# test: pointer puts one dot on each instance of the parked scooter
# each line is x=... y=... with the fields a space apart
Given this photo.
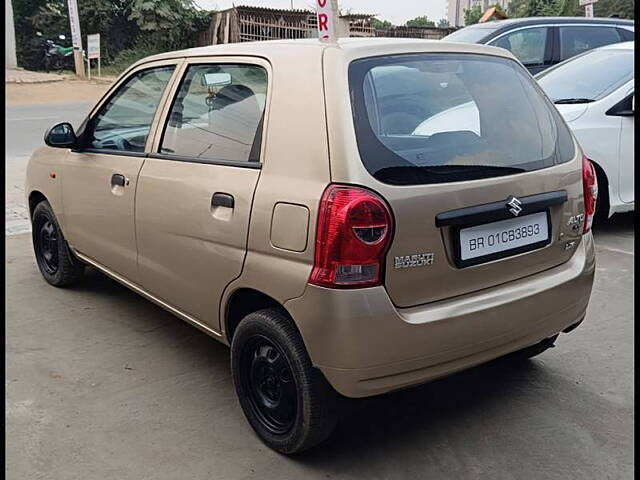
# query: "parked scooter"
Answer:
x=55 y=56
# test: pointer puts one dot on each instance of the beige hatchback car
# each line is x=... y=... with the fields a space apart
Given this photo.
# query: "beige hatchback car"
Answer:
x=326 y=211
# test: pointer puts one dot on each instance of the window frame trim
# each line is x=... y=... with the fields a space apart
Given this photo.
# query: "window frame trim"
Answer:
x=114 y=89
x=258 y=61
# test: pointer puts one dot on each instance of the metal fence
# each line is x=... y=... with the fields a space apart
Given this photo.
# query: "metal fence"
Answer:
x=248 y=24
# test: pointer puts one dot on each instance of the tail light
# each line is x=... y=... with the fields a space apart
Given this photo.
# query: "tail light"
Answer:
x=590 y=191
x=353 y=235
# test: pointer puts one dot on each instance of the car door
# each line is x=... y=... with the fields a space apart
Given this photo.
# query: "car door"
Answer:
x=99 y=179
x=626 y=154
x=195 y=190
x=531 y=45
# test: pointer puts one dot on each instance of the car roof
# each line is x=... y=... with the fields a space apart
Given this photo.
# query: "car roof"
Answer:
x=510 y=22
x=273 y=49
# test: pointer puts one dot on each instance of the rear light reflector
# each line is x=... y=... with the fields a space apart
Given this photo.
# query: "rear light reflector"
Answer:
x=590 y=192
x=352 y=237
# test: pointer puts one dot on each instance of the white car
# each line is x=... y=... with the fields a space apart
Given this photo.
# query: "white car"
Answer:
x=594 y=93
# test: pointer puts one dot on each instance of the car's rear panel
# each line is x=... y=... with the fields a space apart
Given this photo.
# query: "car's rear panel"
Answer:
x=423 y=263
x=415 y=210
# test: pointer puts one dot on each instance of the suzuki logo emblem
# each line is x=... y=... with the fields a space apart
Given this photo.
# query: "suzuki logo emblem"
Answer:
x=514 y=203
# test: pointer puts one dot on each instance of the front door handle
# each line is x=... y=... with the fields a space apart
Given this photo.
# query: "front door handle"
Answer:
x=220 y=199
x=118 y=179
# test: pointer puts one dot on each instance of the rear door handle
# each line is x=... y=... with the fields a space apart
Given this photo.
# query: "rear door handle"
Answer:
x=118 y=179
x=220 y=199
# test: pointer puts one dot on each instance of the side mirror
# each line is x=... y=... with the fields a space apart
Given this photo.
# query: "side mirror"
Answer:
x=61 y=136
x=62 y=37
x=624 y=108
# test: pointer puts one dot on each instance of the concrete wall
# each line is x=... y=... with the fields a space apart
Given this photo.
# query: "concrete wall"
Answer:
x=10 y=37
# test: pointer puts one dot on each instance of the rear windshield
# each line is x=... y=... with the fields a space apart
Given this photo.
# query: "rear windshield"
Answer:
x=470 y=34
x=435 y=118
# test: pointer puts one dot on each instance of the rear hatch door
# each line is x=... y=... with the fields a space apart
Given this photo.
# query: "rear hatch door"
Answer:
x=481 y=172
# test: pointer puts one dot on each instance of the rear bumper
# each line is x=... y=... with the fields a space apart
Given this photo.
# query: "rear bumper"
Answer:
x=365 y=346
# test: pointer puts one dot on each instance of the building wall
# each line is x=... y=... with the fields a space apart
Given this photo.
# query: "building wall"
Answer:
x=456 y=8
x=10 y=37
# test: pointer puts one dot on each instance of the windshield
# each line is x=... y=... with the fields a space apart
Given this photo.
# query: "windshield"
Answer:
x=469 y=35
x=588 y=77
x=434 y=118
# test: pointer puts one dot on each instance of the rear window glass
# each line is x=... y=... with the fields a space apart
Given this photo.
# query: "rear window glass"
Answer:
x=470 y=34
x=578 y=39
x=434 y=118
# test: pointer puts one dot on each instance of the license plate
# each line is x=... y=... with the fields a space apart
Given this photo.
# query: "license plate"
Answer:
x=495 y=240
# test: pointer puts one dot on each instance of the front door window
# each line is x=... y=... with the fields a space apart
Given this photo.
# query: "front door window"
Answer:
x=123 y=123
x=528 y=45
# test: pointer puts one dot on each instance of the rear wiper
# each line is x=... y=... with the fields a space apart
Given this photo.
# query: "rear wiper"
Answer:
x=561 y=101
x=412 y=174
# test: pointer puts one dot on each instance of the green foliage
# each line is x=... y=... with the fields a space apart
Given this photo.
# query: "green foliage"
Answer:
x=132 y=26
x=420 y=22
x=443 y=23
x=603 y=8
x=381 y=24
x=472 y=15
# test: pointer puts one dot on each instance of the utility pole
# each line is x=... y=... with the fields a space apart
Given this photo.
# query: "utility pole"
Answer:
x=10 y=37
x=76 y=38
x=588 y=7
x=327 y=14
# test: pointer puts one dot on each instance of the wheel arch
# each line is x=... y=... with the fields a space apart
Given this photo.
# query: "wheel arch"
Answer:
x=35 y=197
x=604 y=193
x=241 y=303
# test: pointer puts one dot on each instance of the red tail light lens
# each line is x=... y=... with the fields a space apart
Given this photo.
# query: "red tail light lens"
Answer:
x=590 y=191
x=353 y=234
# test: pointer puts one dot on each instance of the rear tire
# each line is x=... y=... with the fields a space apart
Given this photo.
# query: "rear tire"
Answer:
x=57 y=264
x=288 y=402
x=534 y=350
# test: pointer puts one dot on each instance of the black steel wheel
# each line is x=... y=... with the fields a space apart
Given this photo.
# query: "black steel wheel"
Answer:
x=267 y=377
x=46 y=245
x=287 y=401
x=57 y=264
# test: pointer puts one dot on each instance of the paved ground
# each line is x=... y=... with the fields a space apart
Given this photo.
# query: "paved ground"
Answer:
x=102 y=384
x=25 y=126
x=69 y=90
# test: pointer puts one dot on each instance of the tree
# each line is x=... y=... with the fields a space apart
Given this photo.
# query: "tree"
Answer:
x=472 y=15
x=381 y=24
x=443 y=23
x=420 y=22
x=603 y=8
x=147 y=26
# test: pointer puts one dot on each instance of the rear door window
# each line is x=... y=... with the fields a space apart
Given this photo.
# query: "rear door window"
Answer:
x=528 y=45
x=578 y=39
x=434 y=118
x=217 y=114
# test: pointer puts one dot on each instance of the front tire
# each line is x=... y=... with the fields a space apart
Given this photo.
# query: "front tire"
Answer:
x=57 y=264
x=288 y=403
